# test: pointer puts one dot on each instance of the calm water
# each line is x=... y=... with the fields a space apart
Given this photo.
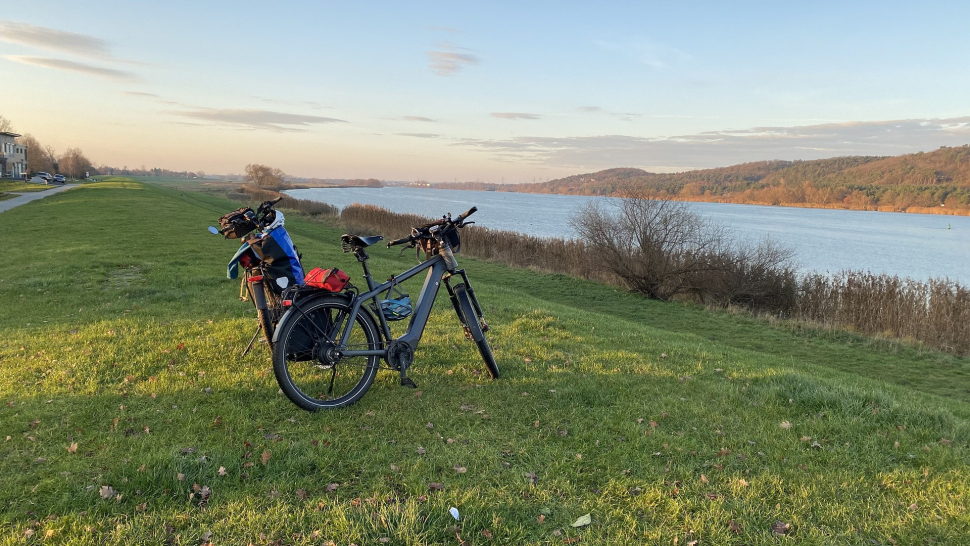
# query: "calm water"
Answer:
x=914 y=245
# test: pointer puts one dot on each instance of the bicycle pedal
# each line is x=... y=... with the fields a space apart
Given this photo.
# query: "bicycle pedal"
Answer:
x=406 y=382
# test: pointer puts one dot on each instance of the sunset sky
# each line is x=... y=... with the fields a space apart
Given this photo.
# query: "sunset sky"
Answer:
x=513 y=91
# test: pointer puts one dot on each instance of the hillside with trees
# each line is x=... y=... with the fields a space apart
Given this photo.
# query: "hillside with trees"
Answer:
x=932 y=182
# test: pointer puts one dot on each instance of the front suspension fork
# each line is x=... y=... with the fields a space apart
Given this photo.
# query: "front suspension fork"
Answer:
x=471 y=296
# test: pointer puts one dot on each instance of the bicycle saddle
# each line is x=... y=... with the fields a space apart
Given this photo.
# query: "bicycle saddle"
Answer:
x=361 y=242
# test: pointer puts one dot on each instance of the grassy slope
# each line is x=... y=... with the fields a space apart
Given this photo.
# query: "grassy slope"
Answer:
x=15 y=186
x=115 y=324
x=19 y=187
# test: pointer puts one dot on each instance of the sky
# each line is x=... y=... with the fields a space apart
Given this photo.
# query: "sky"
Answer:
x=495 y=92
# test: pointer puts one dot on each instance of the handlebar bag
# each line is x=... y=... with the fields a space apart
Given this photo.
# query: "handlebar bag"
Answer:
x=279 y=257
x=236 y=224
x=333 y=280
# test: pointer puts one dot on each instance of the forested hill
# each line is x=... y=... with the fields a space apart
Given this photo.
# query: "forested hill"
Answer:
x=937 y=182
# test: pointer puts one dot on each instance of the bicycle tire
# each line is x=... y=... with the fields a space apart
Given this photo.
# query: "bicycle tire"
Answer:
x=301 y=371
x=471 y=320
x=267 y=317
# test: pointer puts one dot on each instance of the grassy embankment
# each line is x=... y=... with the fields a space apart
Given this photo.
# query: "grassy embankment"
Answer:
x=15 y=186
x=119 y=378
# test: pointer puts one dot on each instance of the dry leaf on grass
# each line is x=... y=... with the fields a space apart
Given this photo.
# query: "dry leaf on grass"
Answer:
x=72 y=448
x=107 y=492
x=780 y=528
x=331 y=487
x=785 y=425
x=460 y=469
x=734 y=527
x=435 y=486
x=265 y=457
x=583 y=521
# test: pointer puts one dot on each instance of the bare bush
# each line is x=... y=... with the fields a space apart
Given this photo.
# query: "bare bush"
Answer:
x=663 y=250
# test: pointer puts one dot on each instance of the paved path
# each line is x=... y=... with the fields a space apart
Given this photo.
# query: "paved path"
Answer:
x=31 y=196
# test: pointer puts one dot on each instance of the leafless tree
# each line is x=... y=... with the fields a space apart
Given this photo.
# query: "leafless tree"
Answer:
x=74 y=163
x=662 y=249
x=5 y=125
x=265 y=177
x=37 y=159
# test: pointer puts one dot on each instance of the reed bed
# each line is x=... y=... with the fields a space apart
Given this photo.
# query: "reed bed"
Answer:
x=935 y=312
x=307 y=207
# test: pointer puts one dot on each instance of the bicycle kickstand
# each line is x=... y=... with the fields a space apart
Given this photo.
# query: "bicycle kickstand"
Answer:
x=251 y=341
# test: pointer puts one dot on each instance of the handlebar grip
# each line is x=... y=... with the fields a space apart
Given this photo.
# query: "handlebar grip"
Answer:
x=398 y=242
x=468 y=213
x=277 y=200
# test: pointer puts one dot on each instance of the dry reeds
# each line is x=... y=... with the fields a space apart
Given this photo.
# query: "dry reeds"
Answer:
x=935 y=312
x=304 y=206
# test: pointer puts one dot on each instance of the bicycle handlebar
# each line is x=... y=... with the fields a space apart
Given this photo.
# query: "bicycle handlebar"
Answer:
x=469 y=212
x=424 y=231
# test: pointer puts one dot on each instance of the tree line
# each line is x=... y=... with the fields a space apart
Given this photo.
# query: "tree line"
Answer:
x=40 y=158
x=930 y=182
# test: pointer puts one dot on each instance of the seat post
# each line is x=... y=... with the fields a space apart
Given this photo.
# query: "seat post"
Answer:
x=362 y=258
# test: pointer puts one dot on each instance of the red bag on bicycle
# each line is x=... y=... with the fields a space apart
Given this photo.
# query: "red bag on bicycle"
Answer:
x=333 y=280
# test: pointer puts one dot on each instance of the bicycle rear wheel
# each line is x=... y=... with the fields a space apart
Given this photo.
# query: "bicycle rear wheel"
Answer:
x=307 y=366
x=472 y=321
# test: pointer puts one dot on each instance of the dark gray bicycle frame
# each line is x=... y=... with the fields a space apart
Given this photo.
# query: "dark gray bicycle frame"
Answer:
x=438 y=266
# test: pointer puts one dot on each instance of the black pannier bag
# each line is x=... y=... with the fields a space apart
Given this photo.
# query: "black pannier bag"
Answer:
x=236 y=224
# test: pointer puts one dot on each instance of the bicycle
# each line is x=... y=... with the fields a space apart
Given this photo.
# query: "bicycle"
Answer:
x=269 y=259
x=329 y=346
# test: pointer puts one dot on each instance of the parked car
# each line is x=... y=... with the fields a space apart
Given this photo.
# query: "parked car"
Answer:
x=46 y=176
x=59 y=178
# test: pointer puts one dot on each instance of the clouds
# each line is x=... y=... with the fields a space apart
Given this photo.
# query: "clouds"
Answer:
x=515 y=115
x=255 y=119
x=721 y=148
x=418 y=118
x=54 y=40
x=62 y=41
x=448 y=59
x=74 y=66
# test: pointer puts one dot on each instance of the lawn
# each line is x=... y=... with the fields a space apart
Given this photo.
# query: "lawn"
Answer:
x=17 y=186
x=129 y=416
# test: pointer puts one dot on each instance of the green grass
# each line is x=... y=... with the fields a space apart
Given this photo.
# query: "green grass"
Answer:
x=120 y=334
x=16 y=186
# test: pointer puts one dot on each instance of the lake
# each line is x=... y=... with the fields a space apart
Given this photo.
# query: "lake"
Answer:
x=912 y=245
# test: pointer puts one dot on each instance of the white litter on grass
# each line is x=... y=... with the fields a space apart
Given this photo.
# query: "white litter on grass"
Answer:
x=454 y=512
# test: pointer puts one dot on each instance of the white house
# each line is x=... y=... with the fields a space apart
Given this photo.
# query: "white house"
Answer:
x=13 y=156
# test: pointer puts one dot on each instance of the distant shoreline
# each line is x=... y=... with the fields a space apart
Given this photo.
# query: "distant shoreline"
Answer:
x=939 y=211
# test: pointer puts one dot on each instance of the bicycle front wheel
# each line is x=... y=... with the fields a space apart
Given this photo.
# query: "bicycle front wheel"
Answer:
x=310 y=369
x=472 y=321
